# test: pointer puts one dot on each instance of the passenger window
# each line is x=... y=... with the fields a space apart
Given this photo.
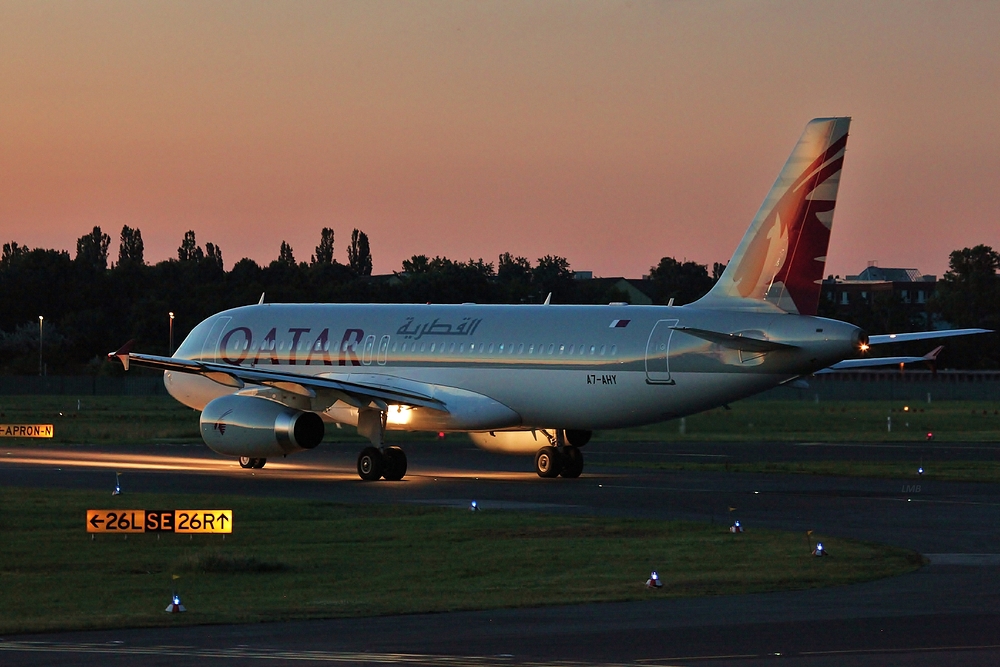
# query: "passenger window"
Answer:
x=461 y=348
x=451 y=349
x=394 y=347
x=602 y=350
x=423 y=346
x=551 y=347
x=520 y=348
x=592 y=350
x=531 y=349
x=491 y=347
x=570 y=350
x=562 y=348
x=500 y=350
x=432 y=346
x=510 y=348
x=614 y=350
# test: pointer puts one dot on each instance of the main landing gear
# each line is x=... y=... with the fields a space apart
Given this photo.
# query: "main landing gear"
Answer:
x=388 y=462
x=247 y=462
x=551 y=462
x=562 y=456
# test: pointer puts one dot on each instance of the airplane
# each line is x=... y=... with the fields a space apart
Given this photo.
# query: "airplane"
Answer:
x=530 y=379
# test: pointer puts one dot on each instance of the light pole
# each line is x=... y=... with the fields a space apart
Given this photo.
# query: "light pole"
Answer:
x=171 y=334
x=41 y=321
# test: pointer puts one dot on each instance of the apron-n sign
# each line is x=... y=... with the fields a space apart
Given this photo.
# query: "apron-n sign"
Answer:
x=160 y=521
x=26 y=430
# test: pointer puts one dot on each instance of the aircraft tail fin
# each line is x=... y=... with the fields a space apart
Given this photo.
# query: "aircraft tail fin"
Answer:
x=783 y=254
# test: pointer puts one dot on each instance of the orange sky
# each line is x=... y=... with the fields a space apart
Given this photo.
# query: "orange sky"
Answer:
x=612 y=133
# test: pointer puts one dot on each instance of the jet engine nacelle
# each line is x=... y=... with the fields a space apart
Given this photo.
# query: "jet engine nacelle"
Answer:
x=257 y=427
x=524 y=442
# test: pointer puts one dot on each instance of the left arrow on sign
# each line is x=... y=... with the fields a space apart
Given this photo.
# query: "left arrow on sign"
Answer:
x=96 y=520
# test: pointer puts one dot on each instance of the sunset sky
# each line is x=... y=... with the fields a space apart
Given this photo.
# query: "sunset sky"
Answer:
x=612 y=133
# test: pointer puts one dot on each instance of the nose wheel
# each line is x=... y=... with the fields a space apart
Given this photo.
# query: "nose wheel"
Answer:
x=248 y=462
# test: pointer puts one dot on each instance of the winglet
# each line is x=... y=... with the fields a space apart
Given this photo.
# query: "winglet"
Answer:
x=122 y=353
x=931 y=358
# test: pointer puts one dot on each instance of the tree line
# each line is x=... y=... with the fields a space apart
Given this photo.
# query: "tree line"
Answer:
x=91 y=304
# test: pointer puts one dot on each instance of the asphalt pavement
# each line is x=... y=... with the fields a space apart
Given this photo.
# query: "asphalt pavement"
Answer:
x=946 y=613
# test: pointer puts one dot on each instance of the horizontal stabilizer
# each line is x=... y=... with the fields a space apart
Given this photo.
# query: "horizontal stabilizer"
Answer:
x=736 y=341
x=851 y=364
x=883 y=339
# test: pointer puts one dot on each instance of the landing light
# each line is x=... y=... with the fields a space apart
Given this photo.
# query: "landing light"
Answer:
x=864 y=347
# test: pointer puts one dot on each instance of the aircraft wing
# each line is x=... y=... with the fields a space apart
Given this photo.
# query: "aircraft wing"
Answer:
x=358 y=394
x=883 y=339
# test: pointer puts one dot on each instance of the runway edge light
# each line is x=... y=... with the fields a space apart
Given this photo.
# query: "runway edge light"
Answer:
x=654 y=580
x=819 y=550
x=175 y=606
x=473 y=506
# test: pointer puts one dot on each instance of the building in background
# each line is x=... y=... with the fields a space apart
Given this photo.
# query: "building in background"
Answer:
x=901 y=293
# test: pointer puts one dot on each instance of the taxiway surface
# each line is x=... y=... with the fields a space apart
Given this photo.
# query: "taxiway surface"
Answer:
x=946 y=613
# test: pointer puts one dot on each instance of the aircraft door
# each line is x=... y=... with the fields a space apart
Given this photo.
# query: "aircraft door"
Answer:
x=658 y=353
x=210 y=348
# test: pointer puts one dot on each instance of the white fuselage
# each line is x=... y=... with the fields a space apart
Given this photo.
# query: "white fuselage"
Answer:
x=498 y=367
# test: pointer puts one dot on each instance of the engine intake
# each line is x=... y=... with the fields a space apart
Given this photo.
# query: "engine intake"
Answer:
x=257 y=427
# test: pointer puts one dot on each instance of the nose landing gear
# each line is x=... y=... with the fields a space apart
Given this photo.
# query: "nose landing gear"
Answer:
x=248 y=462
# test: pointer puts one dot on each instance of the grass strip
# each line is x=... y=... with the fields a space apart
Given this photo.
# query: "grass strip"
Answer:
x=148 y=419
x=298 y=559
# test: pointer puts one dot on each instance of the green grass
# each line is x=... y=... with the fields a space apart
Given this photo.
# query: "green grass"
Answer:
x=149 y=419
x=950 y=471
x=832 y=421
x=290 y=559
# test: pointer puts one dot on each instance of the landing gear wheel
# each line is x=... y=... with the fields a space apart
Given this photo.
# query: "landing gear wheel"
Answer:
x=548 y=462
x=395 y=464
x=572 y=462
x=259 y=463
x=370 y=464
x=246 y=462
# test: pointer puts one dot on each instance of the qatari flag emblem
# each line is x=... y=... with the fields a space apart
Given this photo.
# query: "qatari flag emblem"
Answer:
x=619 y=324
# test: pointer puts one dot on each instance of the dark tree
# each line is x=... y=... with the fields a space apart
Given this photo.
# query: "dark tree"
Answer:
x=11 y=252
x=969 y=293
x=683 y=282
x=285 y=255
x=359 y=255
x=510 y=268
x=717 y=269
x=130 y=247
x=92 y=250
x=213 y=255
x=416 y=265
x=189 y=251
x=324 y=251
